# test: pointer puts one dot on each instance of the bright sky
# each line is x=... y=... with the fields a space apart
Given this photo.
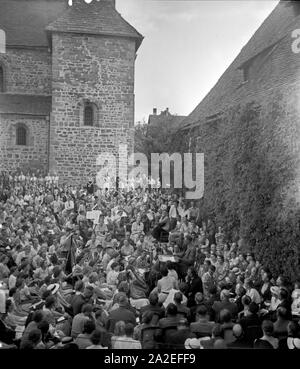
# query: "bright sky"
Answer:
x=188 y=45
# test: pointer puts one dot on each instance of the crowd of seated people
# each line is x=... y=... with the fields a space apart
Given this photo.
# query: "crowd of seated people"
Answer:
x=84 y=268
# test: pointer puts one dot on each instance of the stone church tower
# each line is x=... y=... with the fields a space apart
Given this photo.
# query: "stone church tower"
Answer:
x=67 y=85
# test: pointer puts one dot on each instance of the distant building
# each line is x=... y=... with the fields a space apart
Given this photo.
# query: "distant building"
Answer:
x=169 y=120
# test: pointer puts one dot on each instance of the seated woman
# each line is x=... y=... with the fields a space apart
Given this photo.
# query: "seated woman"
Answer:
x=137 y=228
x=22 y=297
x=42 y=271
x=13 y=319
x=127 y=250
x=112 y=275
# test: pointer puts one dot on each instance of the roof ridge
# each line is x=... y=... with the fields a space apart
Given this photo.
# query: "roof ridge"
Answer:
x=272 y=30
x=98 y=18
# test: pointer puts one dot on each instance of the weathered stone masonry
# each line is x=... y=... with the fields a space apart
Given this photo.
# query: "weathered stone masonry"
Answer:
x=67 y=58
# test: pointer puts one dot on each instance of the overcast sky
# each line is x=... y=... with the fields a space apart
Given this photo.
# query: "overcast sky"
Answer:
x=188 y=44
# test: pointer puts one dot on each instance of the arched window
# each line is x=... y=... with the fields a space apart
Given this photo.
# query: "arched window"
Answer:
x=88 y=115
x=1 y=79
x=21 y=136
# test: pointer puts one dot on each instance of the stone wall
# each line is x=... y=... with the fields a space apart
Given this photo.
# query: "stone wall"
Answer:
x=33 y=155
x=252 y=160
x=101 y=70
x=27 y=71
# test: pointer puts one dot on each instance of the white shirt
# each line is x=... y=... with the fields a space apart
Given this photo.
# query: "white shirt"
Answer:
x=173 y=212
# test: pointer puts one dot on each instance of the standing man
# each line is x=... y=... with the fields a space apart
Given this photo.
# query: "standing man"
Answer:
x=173 y=214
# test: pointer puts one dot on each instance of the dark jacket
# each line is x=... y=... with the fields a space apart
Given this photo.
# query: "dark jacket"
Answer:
x=119 y=314
x=194 y=286
x=159 y=312
x=177 y=339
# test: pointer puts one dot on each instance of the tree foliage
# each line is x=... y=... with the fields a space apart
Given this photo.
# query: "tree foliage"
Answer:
x=251 y=184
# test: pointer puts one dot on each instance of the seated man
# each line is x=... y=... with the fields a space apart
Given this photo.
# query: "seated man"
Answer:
x=202 y=327
x=177 y=339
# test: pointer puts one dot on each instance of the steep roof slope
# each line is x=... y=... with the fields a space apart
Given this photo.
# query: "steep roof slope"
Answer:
x=24 y=21
x=275 y=29
x=98 y=17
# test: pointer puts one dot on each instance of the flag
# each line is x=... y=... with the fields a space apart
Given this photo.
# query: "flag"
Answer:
x=70 y=257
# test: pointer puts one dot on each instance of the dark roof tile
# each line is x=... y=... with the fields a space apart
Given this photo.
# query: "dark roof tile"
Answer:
x=25 y=104
x=274 y=30
x=98 y=17
x=24 y=21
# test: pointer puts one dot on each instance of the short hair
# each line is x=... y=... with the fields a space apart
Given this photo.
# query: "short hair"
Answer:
x=246 y=300
x=147 y=317
x=56 y=271
x=79 y=285
x=89 y=288
x=129 y=329
x=249 y=282
x=164 y=271
x=193 y=271
x=38 y=316
x=171 y=309
x=169 y=265
x=119 y=328
x=153 y=298
x=237 y=330
x=201 y=310
x=87 y=308
x=46 y=294
x=282 y=312
x=178 y=297
x=225 y=316
x=268 y=327
x=98 y=313
x=253 y=308
x=96 y=337
x=88 y=327
x=50 y=301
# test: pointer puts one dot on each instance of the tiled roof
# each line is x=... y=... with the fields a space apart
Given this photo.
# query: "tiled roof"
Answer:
x=173 y=121
x=24 y=21
x=25 y=104
x=98 y=17
x=275 y=29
